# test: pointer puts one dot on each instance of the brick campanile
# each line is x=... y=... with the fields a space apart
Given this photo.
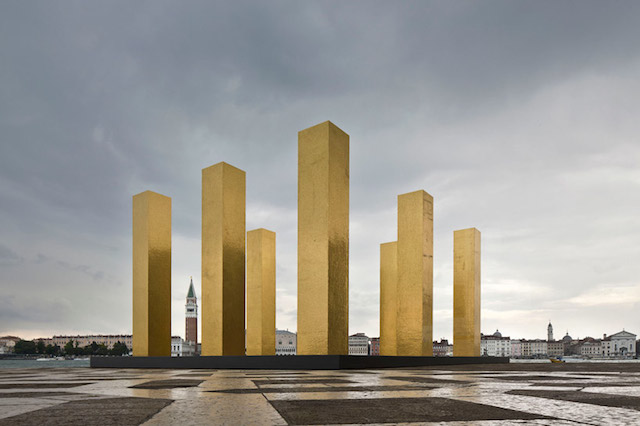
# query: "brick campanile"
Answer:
x=191 y=315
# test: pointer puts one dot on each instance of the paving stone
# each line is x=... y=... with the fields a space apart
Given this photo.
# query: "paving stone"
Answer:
x=585 y=384
x=536 y=378
x=604 y=399
x=168 y=384
x=106 y=412
x=348 y=411
x=31 y=394
x=300 y=381
x=326 y=389
x=37 y=385
x=431 y=380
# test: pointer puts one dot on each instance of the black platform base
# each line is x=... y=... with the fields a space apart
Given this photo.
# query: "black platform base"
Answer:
x=287 y=362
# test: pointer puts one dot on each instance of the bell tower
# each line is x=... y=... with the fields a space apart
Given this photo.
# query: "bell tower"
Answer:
x=191 y=315
x=549 y=332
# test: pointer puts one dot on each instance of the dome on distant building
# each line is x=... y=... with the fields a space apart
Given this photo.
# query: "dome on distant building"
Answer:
x=567 y=338
x=497 y=334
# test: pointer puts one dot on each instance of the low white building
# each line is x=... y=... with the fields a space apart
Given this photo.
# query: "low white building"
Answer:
x=495 y=345
x=181 y=347
x=286 y=342
x=591 y=348
x=359 y=344
x=619 y=345
x=538 y=348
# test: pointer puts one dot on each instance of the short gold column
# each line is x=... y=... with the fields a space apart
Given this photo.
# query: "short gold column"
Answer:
x=388 y=298
x=415 y=274
x=261 y=292
x=223 y=256
x=151 y=274
x=466 y=292
x=323 y=240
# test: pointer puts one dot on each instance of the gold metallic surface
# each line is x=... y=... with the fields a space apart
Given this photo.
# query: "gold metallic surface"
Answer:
x=415 y=274
x=223 y=256
x=151 y=274
x=388 y=298
x=261 y=292
x=466 y=292
x=323 y=240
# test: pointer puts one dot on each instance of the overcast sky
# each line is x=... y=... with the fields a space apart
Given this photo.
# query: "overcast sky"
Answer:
x=520 y=118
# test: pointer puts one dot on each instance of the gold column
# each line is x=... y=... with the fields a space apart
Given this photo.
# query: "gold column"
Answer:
x=466 y=292
x=323 y=240
x=223 y=255
x=151 y=274
x=261 y=292
x=415 y=274
x=388 y=298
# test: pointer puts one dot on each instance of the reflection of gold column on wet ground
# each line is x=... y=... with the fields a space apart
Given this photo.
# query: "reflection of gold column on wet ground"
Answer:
x=415 y=274
x=388 y=297
x=223 y=255
x=466 y=292
x=151 y=274
x=323 y=240
x=261 y=292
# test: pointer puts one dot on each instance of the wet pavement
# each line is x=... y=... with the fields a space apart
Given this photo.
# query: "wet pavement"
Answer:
x=520 y=394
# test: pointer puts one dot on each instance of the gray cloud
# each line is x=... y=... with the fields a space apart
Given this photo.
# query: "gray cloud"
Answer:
x=520 y=118
x=9 y=257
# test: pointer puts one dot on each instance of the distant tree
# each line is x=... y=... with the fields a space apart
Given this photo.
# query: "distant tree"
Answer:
x=101 y=350
x=25 y=347
x=40 y=347
x=119 y=349
x=68 y=348
x=50 y=349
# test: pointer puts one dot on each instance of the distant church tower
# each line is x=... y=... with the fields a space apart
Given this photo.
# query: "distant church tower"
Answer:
x=549 y=332
x=191 y=315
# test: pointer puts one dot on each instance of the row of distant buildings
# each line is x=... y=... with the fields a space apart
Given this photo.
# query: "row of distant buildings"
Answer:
x=619 y=345
x=622 y=344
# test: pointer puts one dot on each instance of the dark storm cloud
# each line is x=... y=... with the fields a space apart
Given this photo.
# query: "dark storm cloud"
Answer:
x=515 y=108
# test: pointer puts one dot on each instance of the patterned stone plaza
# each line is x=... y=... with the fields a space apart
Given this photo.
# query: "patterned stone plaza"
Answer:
x=529 y=394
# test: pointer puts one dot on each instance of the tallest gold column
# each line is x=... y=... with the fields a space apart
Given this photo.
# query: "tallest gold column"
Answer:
x=223 y=254
x=323 y=240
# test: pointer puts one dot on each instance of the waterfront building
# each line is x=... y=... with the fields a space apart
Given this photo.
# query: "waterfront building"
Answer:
x=442 y=348
x=181 y=347
x=591 y=348
x=516 y=348
x=495 y=345
x=83 y=340
x=7 y=343
x=555 y=349
x=375 y=346
x=286 y=342
x=621 y=344
x=191 y=316
x=538 y=348
x=359 y=344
